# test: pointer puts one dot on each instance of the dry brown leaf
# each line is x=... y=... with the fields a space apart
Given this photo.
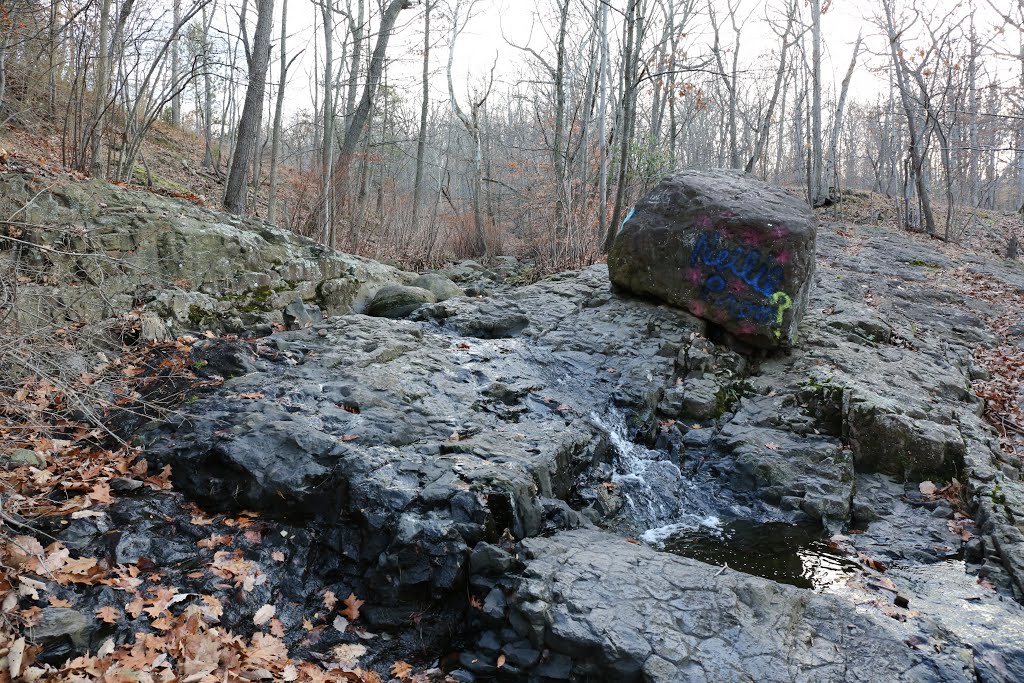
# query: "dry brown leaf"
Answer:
x=772 y=446
x=101 y=493
x=330 y=599
x=57 y=602
x=348 y=655
x=134 y=608
x=266 y=649
x=264 y=614
x=501 y=661
x=214 y=541
x=352 y=605
x=162 y=624
x=15 y=657
x=277 y=556
x=401 y=669
x=108 y=614
x=211 y=608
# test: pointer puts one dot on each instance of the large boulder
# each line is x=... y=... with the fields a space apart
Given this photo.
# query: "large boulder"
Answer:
x=440 y=286
x=398 y=301
x=725 y=246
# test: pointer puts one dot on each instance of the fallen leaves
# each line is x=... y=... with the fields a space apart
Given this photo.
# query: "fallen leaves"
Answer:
x=109 y=615
x=263 y=615
x=348 y=655
x=872 y=563
x=401 y=670
x=352 y=605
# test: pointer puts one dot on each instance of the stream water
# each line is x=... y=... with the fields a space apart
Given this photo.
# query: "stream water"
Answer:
x=690 y=515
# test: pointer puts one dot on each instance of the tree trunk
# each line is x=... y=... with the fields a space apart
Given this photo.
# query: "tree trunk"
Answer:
x=275 y=147
x=421 y=142
x=558 y=156
x=176 y=70
x=602 y=123
x=207 y=92
x=374 y=72
x=831 y=172
x=780 y=77
x=327 y=151
x=973 y=172
x=917 y=150
x=818 y=192
x=629 y=96
x=102 y=78
x=252 y=110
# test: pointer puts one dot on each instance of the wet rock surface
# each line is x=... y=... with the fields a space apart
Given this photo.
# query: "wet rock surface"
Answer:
x=473 y=472
x=725 y=246
x=624 y=612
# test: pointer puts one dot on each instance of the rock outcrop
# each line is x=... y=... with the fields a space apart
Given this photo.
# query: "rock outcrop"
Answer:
x=106 y=251
x=622 y=612
x=480 y=471
x=725 y=246
x=427 y=448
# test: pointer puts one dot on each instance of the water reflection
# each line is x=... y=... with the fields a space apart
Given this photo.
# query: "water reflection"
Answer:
x=787 y=553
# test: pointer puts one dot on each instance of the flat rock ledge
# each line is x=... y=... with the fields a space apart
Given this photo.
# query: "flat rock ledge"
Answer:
x=609 y=609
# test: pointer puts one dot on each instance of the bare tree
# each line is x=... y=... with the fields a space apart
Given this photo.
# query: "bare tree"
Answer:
x=786 y=40
x=275 y=147
x=421 y=140
x=248 y=125
x=471 y=122
x=918 y=150
x=831 y=175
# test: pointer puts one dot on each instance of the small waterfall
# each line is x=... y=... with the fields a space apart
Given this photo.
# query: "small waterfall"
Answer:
x=657 y=496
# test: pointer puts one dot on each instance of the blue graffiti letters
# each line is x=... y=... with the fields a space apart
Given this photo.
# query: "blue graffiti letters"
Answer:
x=628 y=216
x=761 y=274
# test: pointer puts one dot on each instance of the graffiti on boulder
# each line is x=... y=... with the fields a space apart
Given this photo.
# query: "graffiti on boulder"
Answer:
x=740 y=281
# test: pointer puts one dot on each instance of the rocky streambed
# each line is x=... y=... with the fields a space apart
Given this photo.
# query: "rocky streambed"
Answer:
x=517 y=486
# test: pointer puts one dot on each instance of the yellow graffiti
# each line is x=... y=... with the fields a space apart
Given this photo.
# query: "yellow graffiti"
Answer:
x=782 y=300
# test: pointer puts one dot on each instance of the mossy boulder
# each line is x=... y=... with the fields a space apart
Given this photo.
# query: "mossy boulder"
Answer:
x=440 y=286
x=398 y=301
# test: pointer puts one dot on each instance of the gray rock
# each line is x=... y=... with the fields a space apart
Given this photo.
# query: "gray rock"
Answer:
x=398 y=301
x=725 y=246
x=57 y=622
x=22 y=456
x=441 y=287
x=611 y=610
x=884 y=440
x=191 y=267
x=490 y=560
x=701 y=400
x=299 y=315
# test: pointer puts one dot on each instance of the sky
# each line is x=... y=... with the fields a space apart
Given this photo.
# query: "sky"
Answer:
x=485 y=40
